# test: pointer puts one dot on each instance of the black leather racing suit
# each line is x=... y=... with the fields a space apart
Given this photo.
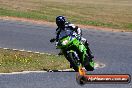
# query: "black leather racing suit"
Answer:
x=71 y=29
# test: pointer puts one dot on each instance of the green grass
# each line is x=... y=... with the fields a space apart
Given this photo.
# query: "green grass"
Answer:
x=32 y=15
x=16 y=61
x=104 y=13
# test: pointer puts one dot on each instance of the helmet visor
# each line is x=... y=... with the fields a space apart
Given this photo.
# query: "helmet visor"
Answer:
x=60 y=23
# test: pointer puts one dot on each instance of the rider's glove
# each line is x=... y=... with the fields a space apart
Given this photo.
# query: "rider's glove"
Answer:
x=78 y=37
x=52 y=40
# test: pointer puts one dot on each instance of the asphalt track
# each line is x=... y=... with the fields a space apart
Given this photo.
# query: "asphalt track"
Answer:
x=114 y=49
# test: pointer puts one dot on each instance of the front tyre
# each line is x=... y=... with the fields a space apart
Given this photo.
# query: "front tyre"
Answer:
x=73 y=59
x=81 y=80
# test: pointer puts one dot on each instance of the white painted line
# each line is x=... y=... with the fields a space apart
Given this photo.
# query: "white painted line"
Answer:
x=36 y=52
x=15 y=49
x=25 y=51
x=68 y=70
x=6 y=48
x=24 y=72
x=42 y=53
x=50 y=71
x=48 y=54
x=22 y=50
x=45 y=53
x=34 y=71
x=29 y=51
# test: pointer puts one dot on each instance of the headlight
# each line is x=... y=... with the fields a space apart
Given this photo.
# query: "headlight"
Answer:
x=64 y=42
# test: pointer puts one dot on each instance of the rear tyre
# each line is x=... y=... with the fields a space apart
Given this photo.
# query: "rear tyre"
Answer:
x=89 y=64
x=89 y=68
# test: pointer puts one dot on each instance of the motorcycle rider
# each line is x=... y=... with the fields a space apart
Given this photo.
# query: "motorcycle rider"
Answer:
x=66 y=28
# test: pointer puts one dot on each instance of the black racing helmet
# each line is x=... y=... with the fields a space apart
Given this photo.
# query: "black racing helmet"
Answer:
x=60 y=21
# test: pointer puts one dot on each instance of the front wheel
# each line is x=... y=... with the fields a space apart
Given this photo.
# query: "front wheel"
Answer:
x=81 y=80
x=73 y=59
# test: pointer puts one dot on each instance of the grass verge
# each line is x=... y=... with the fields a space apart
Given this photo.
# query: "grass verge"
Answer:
x=105 y=13
x=17 y=61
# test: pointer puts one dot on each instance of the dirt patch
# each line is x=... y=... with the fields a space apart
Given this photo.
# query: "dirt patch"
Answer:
x=54 y=25
x=28 y=20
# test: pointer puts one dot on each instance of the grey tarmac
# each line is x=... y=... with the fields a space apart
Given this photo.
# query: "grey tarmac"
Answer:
x=114 y=49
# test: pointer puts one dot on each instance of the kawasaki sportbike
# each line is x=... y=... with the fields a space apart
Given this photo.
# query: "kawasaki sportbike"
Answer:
x=75 y=52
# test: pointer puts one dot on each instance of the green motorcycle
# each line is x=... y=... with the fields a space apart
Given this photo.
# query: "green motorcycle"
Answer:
x=75 y=52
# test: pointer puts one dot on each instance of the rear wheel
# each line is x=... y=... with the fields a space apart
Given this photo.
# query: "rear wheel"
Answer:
x=89 y=64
